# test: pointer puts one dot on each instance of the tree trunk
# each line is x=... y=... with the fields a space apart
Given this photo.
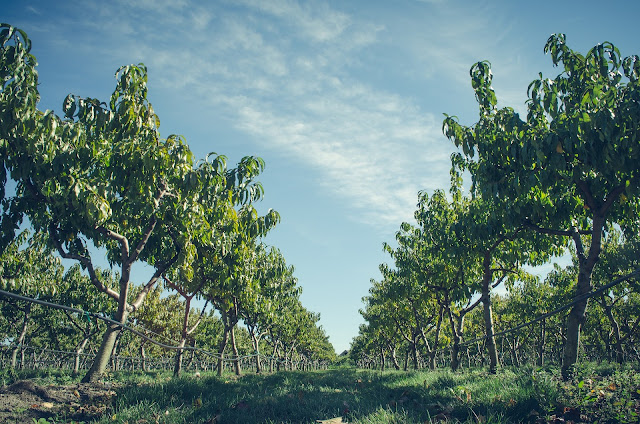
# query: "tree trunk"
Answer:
x=543 y=336
x=513 y=347
x=103 y=356
x=491 y=341
x=256 y=349
x=234 y=348
x=177 y=368
x=457 y=327
x=76 y=360
x=143 y=355
x=488 y=315
x=414 y=353
x=406 y=360
x=21 y=337
x=223 y=345
x=432 y=352
x=177 y=365
x=110 y=338
x=115 y=360
x=394 y=359
x=615 y=328
x=574 y=323
x=577 y=315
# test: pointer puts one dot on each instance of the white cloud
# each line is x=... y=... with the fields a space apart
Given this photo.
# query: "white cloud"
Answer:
x=296 y=91
x=313 y=19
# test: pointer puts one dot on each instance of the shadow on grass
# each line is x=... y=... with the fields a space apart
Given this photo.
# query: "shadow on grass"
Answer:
x=304 y=397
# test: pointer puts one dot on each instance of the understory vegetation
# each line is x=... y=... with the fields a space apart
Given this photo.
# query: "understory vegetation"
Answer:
x=602 y=393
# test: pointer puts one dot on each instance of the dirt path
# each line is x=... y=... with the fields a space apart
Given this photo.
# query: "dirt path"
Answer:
x=24 y=401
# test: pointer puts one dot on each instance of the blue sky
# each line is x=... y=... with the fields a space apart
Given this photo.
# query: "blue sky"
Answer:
x=343 y=100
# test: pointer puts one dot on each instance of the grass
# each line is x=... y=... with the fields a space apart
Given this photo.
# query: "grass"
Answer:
x=606 y=393
x=356 y=395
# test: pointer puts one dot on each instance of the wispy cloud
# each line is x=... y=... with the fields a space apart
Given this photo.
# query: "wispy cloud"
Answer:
x=287 y=73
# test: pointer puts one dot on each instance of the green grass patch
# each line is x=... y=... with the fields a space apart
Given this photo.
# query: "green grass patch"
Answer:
x=603 y=393
x=356 y=395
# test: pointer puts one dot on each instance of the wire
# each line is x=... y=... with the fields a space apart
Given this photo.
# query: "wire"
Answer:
x=575 y=301
x=126 y=327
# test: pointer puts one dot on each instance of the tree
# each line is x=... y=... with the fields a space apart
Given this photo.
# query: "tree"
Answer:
x=28 y=267
x=100 y=176
x=572 y=167
x=226 y=269
x=275 y=290
x=77 y=291
x=449 y=270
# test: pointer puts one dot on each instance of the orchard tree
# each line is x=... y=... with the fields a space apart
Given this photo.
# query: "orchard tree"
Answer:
x=160 y=318
x=275 y=290
x=382 y=337
x=76 y=291
x=570 y=169
x=100 y=176
x=29 y=271
x=415 y=281
x=619 y=305
x=226 y=270
x=449 y=270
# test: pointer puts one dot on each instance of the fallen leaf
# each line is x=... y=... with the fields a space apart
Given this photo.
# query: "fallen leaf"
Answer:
x=47 y=405
x=613 y=387
x=335 y=420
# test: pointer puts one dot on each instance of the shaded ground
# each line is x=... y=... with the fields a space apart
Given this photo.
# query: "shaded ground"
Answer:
x=602 y=393
x=25 y=401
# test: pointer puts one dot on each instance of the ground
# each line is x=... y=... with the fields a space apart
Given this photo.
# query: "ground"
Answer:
x=26 y=402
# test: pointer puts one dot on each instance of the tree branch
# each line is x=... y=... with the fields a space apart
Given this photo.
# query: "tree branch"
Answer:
x=153 y=280
x=145 y=238
x=124 y=243
x=610 y=199
x=84 y=261
x=199 y=319
x=549 y=231
x=584 y=188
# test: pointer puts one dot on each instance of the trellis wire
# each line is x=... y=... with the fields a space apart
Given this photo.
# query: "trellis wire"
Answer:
x=575 y=301
x=132 y=330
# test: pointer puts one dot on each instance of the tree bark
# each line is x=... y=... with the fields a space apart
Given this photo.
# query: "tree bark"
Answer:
x=576 y=317
x=234 y=347
x=76 y=359
x=21 y=336
x=542 y=341
x=256 y=349
x=394 y=359
x=488 y=315
x=103 y=355
x=223 y=345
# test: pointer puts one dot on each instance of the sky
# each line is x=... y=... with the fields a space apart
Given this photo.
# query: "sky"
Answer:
x=344 y=100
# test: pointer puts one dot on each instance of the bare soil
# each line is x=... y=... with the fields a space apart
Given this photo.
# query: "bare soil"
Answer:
x=25 y=401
